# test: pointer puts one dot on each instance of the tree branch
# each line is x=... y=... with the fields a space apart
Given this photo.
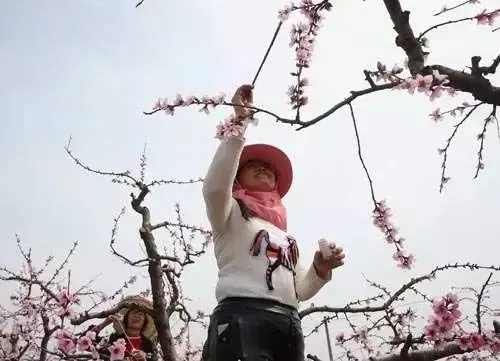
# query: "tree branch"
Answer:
x=424 y=355
x=26 y=281
x=478 y=86
x=406 y=39
x=156 y=276
x=354 y=95
x=395 y=296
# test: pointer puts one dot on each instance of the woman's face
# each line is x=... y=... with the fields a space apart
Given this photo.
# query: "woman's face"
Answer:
x=257 y=176
x=136 y=319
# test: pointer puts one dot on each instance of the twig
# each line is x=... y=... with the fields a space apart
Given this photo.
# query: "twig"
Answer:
x=354 y=95
x=446 y=9
x=449 y=22
x=26 y=281
x=360 y=154
x=444 y=151
x=479 y=299
x=125 y=174
x=267 y=52
x=482 y=136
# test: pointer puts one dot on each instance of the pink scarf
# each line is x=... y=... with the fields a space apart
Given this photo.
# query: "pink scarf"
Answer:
x=265 y=205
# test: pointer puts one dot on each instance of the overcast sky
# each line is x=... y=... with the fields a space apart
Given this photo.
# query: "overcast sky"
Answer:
x=88 y=69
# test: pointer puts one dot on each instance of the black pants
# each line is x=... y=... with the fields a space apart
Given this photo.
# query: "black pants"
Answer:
x=249 y=329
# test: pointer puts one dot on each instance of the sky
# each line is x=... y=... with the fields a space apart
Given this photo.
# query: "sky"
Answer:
x=88 y=70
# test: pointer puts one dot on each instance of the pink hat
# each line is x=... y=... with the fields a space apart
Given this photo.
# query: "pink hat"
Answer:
x=274 y=156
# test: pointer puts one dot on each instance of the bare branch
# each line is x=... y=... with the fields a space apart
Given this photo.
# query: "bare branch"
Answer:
x=42 y=286
x=155 y=273
x=444 y=151
x=395 y=296
x=449 y=22
x=354 y=95
x=479 y=299
x=482 y=136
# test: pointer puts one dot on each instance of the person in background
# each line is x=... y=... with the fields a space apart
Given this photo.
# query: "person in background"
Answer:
x=136 y=327
x=261 y=278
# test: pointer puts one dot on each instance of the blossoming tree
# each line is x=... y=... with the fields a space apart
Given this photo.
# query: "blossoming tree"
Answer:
x=47 y=316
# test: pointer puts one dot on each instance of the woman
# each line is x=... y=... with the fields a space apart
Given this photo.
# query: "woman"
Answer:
x=135 y=327
x=261 y=279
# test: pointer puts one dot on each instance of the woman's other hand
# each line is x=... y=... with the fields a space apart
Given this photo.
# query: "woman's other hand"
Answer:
x=324 y=265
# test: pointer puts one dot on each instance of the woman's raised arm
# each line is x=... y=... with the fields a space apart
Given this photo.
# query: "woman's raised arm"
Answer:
x=218 y=184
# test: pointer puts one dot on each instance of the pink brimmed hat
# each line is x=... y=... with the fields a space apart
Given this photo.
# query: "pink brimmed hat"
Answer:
x=274 y=156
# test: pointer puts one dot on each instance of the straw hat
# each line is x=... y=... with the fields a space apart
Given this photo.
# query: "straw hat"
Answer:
x=150 y=330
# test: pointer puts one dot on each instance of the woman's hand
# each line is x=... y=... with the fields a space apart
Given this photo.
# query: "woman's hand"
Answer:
x=116 y=319
x=113 y=318
x=323 y=265
x=242 y=98
x=138 y=355
x=109 y=320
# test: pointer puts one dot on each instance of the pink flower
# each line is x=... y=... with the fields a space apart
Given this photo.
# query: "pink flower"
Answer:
x=441 y=324
x=284 y=13
x=230 y=127
x=436 y=115
x=406 y=261
x=63 y=311
x=219 y=99
x=304 y=51
x=303 y=82
x=477 y=340
x=65 y=342
x=423 y=83
x=440 y=78
x=452 y=300
x=67 y=298
x=340 y=337
x=439 y=306
x=29 y=308
x=485 y=18
x=117 y=350
x=494 y=345
x=420 y=83
x=430 y=332
x=84 y=343
x=178 y=100
x=464 y=342
x=436 y=92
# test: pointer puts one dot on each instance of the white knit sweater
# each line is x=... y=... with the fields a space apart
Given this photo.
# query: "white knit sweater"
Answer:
x=246 y=266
